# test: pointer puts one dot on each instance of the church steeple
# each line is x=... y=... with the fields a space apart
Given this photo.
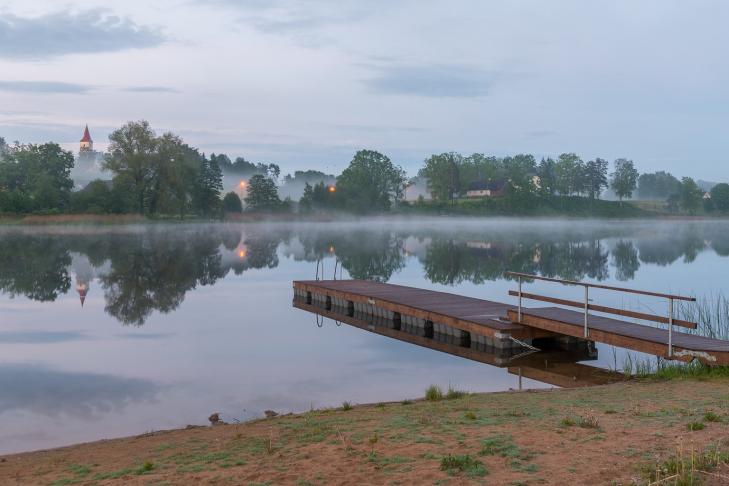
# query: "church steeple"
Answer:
x=87 y=145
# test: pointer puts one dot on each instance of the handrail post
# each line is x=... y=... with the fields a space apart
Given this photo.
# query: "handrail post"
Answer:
x=670 y=327
x=587 y=305
x=519 y=313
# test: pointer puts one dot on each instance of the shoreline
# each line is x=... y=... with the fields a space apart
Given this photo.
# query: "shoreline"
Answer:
x=136 y=219
x=591 y=435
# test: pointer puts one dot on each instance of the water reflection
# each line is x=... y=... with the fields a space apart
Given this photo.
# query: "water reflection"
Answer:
x=559 y=366
x=53 y=393
x=142 y=270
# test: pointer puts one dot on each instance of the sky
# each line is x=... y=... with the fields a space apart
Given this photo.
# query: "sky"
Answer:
x=307 y=83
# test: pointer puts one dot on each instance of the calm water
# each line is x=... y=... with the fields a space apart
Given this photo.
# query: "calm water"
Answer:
x=178 y=322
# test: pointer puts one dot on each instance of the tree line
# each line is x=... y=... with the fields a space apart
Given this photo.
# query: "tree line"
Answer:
x=162 y=175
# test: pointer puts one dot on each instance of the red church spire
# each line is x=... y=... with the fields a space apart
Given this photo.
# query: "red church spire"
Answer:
x=87 y=135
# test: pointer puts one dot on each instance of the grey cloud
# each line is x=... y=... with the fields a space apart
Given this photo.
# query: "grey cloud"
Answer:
x=61 y=33
x=150 y=89
x=433 y=81
x=54 y=393
x=44 y=87
x=40 y=337
x=147 y=336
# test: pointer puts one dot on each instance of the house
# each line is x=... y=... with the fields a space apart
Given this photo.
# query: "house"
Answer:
x=486 y=189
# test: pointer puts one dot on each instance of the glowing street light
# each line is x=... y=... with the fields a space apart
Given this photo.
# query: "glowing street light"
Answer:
x=242 y=184
x=332 y=189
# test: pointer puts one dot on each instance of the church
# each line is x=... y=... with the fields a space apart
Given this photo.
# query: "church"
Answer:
x=88 y=161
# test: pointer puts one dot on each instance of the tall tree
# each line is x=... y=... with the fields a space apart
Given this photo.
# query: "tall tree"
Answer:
x=658 y=185
x=547 y=177
x=569 y=174
x=35 y=177
x=209 y=186
x=596 y=177
x=262 y=194
x=133 y=155
x=624 y=178
x=370 y=183
x=690 y=195
x=442 y=173
x=720 y=196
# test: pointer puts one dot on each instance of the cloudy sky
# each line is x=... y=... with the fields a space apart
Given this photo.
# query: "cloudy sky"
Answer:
x=306 y=83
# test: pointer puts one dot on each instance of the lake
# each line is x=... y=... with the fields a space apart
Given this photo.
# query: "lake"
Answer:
x=119 y=330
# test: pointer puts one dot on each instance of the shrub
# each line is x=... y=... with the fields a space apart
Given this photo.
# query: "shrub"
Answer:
x=232 y=203
x=466 y=464
x=433 y=393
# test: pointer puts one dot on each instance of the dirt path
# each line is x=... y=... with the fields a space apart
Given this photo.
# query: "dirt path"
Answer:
x=604 y=435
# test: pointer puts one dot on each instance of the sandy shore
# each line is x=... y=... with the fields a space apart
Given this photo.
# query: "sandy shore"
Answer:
x=614 y=434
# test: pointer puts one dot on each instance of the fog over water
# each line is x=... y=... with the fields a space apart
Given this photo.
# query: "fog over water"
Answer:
x=110 y=331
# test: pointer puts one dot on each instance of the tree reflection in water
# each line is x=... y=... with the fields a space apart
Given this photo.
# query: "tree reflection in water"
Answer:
x=146 y=269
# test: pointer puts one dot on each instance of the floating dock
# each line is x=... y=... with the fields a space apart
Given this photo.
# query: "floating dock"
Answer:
x=497 y=325
x=556 y=367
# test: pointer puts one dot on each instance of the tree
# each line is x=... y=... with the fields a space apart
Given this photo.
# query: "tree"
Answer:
x=442 y=174
x=209 y=187
x=518 y=171
x=318 y=196
x=658 y=185
x=547 y=177
x=232 y=203
x=370 y=183
x=569 y=174
x=690 y=195
x=624 y=178
x=262 y=194
x=720 y=196
x=133 y=154
x=595 y=175
x=35 y=178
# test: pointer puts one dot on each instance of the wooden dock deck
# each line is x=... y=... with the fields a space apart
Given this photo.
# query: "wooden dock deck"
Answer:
x=497 y=323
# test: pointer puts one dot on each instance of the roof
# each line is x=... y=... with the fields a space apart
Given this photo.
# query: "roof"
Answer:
x=87 y=135
x=486 y=185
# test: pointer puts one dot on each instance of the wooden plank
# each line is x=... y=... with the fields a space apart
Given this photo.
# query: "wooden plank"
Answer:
x=427 y=304
x=599 y=286
x=601 y=308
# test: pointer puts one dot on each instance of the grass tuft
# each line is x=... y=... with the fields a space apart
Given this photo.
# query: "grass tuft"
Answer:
x=465 y=464
x=346 y=406
x=453 y=394
x=711 y=417
x=695 y=426
x=433 y=393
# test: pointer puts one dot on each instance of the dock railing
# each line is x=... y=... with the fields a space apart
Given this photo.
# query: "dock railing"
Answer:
x=587 y=306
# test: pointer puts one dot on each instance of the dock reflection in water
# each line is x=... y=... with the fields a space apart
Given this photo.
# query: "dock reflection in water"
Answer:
x=560 y=366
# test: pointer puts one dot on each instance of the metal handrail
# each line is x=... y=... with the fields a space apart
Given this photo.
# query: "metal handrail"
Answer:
x=598 y=286
x=587 y=306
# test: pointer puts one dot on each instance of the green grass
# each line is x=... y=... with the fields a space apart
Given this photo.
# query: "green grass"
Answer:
x=462 y=464
x=671 y=370
x=695 y=426
x=711 y=417
x=453 y=393
x=685 y=469
x=585 y=422
x=346 y=406
x=433 y=393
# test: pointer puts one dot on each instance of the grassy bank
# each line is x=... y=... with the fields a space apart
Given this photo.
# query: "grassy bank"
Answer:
x=628 y=433
x=570 y=206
